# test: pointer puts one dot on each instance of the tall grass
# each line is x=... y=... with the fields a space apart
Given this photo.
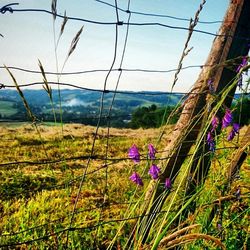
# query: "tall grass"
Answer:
x=46 y=205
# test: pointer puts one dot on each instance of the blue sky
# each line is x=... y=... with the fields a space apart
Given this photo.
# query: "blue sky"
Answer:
x=29 y=37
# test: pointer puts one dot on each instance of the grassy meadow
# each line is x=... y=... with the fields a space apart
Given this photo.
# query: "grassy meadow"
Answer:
x=68 y=186
x=40 y=183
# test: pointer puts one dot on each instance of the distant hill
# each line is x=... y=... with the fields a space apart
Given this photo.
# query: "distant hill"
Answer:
x=89 y=97
x=80 y=105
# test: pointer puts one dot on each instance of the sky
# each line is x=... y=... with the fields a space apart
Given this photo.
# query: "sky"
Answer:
x=28 y=36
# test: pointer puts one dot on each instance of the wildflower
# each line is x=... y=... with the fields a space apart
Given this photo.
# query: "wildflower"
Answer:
x=219 y=226
x=210 y=142
x=136 y=179
x=240 y=80
x=234 y=131
x=227 y=119
x=154 y=171
x=134 y=154
x=243 y=64
x=215 y=122
x=237 y=194
x=152 y=151
x=210 y=85
x=168 y=184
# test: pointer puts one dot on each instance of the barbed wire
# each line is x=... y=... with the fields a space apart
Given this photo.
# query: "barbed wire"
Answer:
x=113 y=162
x=108 y=161
x=112 y=103
x=8 y=8
x=125 y=92
x=110 y=204
x=114 y=57
x=232 y=197
x=135 y=217
x=81 y=228
x=96 y=90
x=144 y=157
x=79 y=211
x=104 y=70
x=156 y=15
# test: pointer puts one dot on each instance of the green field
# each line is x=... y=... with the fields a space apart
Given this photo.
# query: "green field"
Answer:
x=6 y=108
x=40 y=185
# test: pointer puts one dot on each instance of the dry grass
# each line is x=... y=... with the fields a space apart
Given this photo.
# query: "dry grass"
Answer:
x=44 y=193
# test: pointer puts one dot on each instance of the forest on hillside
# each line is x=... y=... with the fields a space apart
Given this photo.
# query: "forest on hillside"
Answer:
x=130 y=110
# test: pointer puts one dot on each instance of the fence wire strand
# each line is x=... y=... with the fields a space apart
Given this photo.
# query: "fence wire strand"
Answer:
x=105 y=162
x=8 y=8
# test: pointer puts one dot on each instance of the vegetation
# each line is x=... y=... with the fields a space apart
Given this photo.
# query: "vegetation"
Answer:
x=80 y=106
x=7 y=109
x=69 y=186
x=152 y=117
x=37 y=198
x=242 y=111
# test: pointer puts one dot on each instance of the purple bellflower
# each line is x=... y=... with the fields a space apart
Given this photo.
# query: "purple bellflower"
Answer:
x=243 y=64
x=154 y=171
x=237 y=194
x=234 y=131
x=151 y=152
x=136 y=179
x=134 y=154
x=227 y=119
x=210 y=142
x=168 y=183
x=210 y=86
x=215 y=122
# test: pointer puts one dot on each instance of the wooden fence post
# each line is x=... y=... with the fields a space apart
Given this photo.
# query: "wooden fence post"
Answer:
x=237 y=48
x=239 y=157
x=231 y=42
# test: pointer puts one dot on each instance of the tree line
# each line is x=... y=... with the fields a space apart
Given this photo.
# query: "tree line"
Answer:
x=142 y=117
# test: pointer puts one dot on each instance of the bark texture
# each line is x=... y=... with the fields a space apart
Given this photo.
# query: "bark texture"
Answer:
x=230 y=43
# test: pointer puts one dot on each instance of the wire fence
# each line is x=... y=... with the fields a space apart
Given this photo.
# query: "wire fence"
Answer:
x=103 y=162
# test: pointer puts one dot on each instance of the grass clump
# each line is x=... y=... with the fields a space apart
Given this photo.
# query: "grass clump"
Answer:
x=38 y=193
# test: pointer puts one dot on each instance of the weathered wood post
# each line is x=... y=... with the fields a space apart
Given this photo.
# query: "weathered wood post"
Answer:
x=231 y=42
x=239 y=157
x=237 y=47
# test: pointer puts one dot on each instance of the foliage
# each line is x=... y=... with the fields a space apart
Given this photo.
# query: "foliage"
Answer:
x=42 y=169
x=81 y=106
x=242 y=111
x=152 y=116
x=38 y=198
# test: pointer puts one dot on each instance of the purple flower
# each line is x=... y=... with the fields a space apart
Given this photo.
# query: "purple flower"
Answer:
x=234 y=131
x=136 y=179
x=227 y=119
x=134 y=154
x=215 y=122
x=210 y=142
x=243 y=64
x=168 y=184
x=152 y=151
x=154 y=171
x=219 y=226
x=237 y=194
x=210 y=85
x=240 y=80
